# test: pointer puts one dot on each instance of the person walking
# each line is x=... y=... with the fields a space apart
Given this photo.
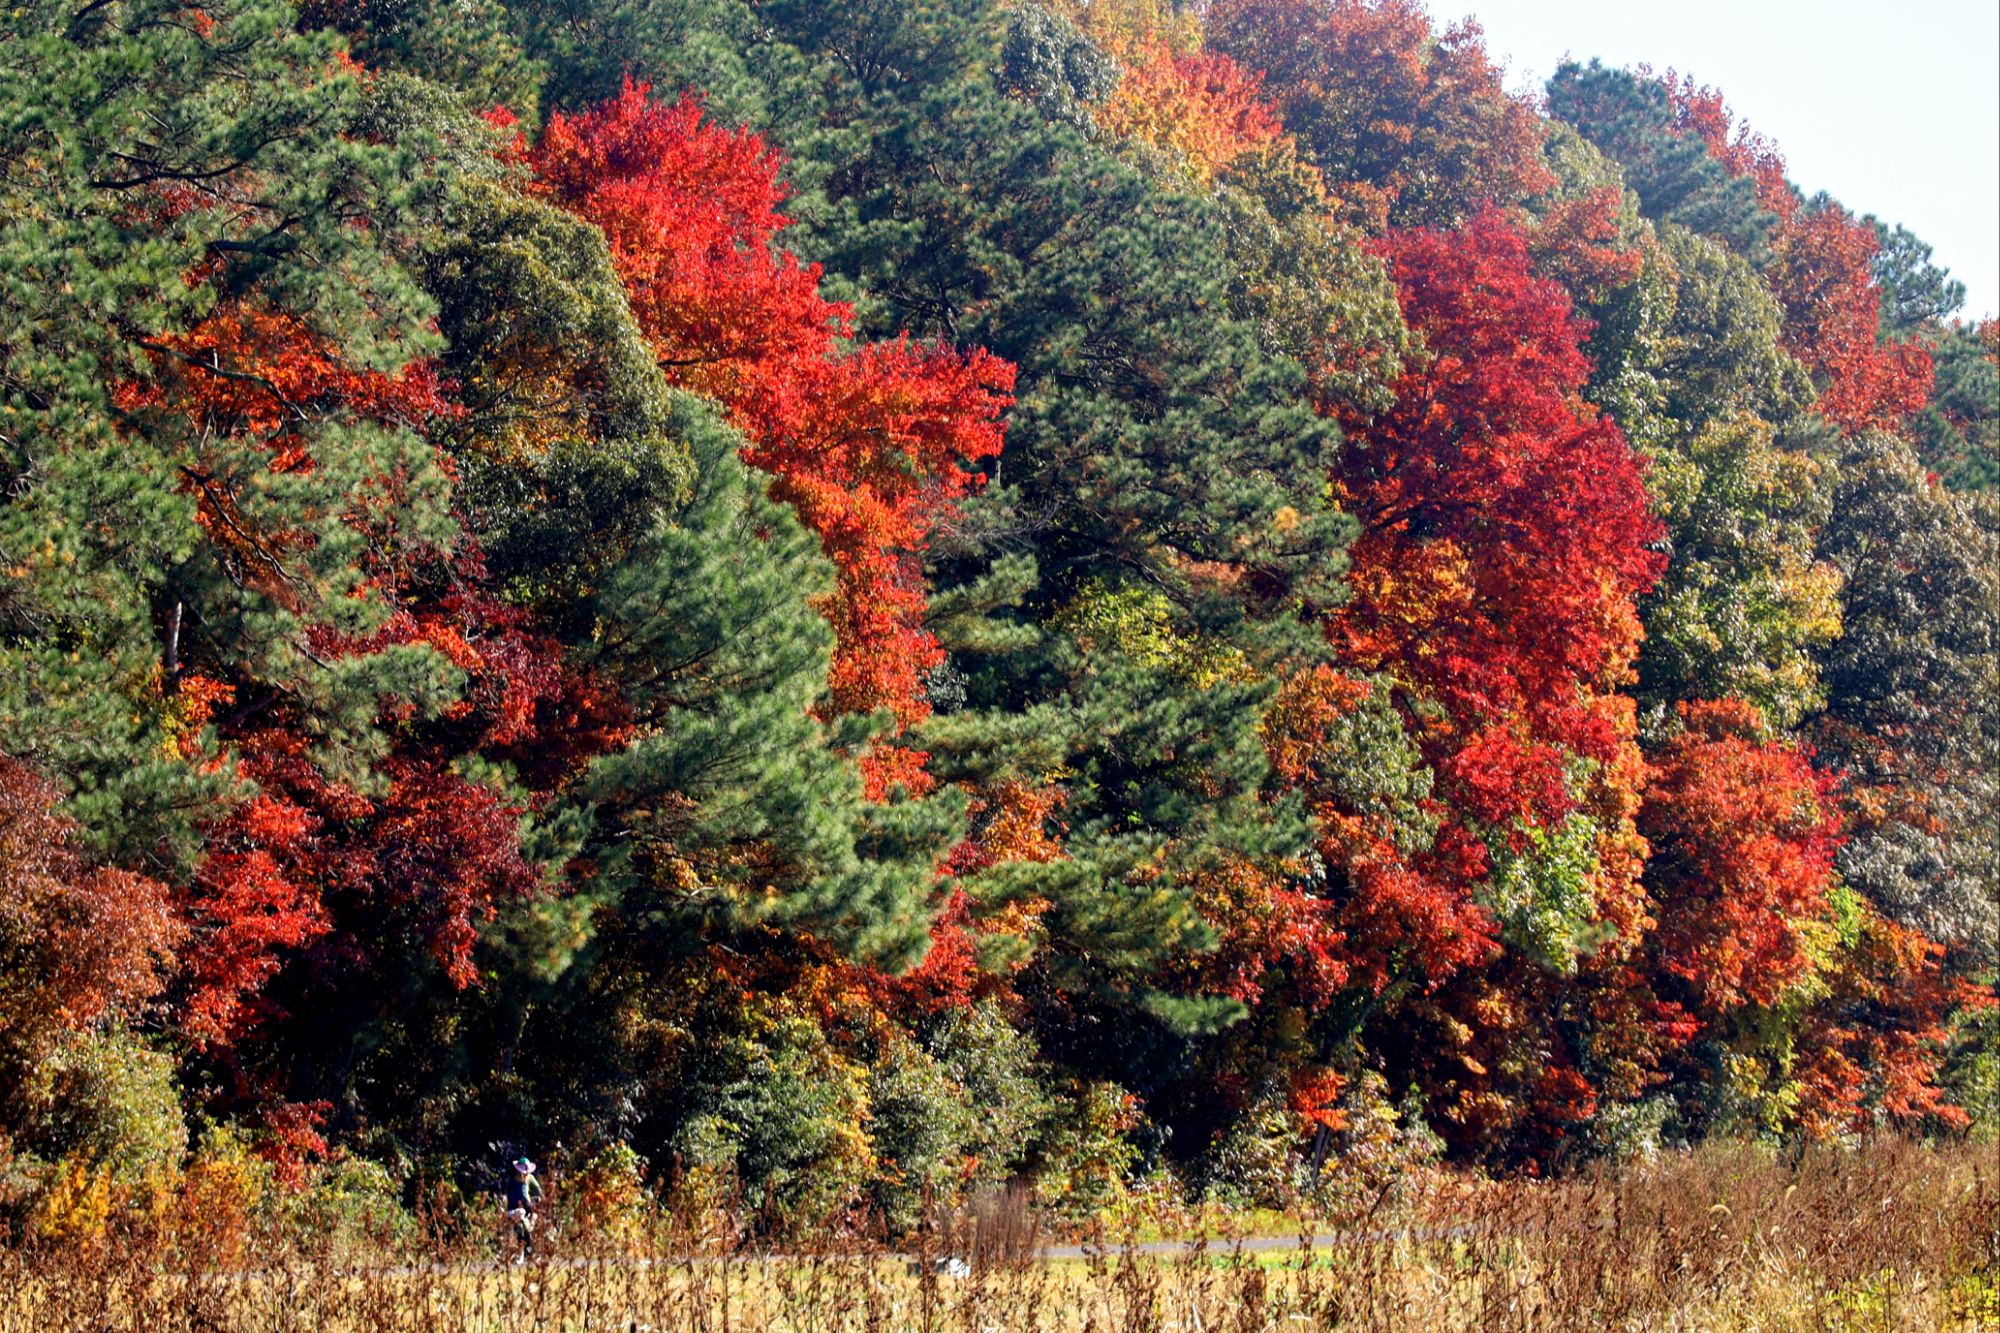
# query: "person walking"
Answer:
x=524 y=1196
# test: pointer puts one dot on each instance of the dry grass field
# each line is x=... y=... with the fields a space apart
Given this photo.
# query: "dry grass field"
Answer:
x=1894 y=1237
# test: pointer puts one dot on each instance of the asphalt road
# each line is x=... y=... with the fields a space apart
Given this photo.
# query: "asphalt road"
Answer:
x=1325 y=1240
x=1163 y=1249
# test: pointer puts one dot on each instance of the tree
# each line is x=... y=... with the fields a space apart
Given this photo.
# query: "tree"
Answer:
x=1916 y=294
x=1400 y=118
x=469 y=47
x=1309 y=285
x=1912 y=717
x=1505 y=530
x=1203 y=109
x=1506 y=537
x=82 y=948
x=1631 y=118
x=1746 y=603
x=1871 y=1051
x=722 y=49
x=1956 y=433
x=1823 y=273
x=1689 y=358
x=282 y=612
x=1743 y=833
x=1048 y=60
x=732 y=780
x=1959 y=433
x=871 y=447
x=218 y=183
x=1164 y=470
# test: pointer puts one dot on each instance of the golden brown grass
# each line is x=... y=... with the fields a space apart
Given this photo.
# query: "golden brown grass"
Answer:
x=1889 y=1236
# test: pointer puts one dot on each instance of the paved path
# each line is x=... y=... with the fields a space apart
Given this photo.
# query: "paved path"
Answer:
x=1218 y=1247
x=1324 y=1240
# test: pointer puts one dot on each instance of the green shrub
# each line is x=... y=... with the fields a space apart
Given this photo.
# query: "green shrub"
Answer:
x=1087 y=1153
x=1971 y=1072
x=110 y=1098
x=995 y=1062
x=351 y=1202
x=788 y=1124
x=923 y=1128
x=1384 y=1148
x=1256 y=1163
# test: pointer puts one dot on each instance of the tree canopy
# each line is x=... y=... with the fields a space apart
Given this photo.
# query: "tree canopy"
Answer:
x=876 y=596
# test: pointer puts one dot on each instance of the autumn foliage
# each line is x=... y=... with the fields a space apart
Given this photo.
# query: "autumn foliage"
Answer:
x=869 y=444
x=1821 y=274
x=1742 y=834
x=1409 y=124
x=85 y=942
x=1217 y=626
x=1491 y=448
x=1204 y=107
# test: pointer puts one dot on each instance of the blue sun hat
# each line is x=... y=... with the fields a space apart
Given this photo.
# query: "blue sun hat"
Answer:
x=524 y=1166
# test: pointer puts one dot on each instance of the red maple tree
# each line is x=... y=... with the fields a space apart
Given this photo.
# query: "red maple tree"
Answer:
x=1506 y=531
x=871 y=444
x=1743 y=833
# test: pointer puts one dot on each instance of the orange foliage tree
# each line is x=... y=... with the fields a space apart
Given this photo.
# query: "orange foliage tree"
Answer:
x=79 y=944
x=1201 y=106
x=1410 y=125
x=1743 y=833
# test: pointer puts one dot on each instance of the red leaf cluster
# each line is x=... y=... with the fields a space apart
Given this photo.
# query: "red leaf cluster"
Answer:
x=1743 y=833
x=870 y=444
x=313 y=860
x=1506 y=531
x=1878 y=1041
x=1576 y=242
x=1394 y=906
x=1271 y=937
x=1823 y=279
x=78 y=943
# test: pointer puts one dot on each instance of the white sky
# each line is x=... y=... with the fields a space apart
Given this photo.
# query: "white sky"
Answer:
x=1894 y=109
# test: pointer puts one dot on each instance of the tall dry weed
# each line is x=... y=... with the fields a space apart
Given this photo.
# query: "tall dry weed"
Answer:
x=1892 y=1235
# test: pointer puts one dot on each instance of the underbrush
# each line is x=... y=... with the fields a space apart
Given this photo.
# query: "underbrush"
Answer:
x=1886 y=1235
